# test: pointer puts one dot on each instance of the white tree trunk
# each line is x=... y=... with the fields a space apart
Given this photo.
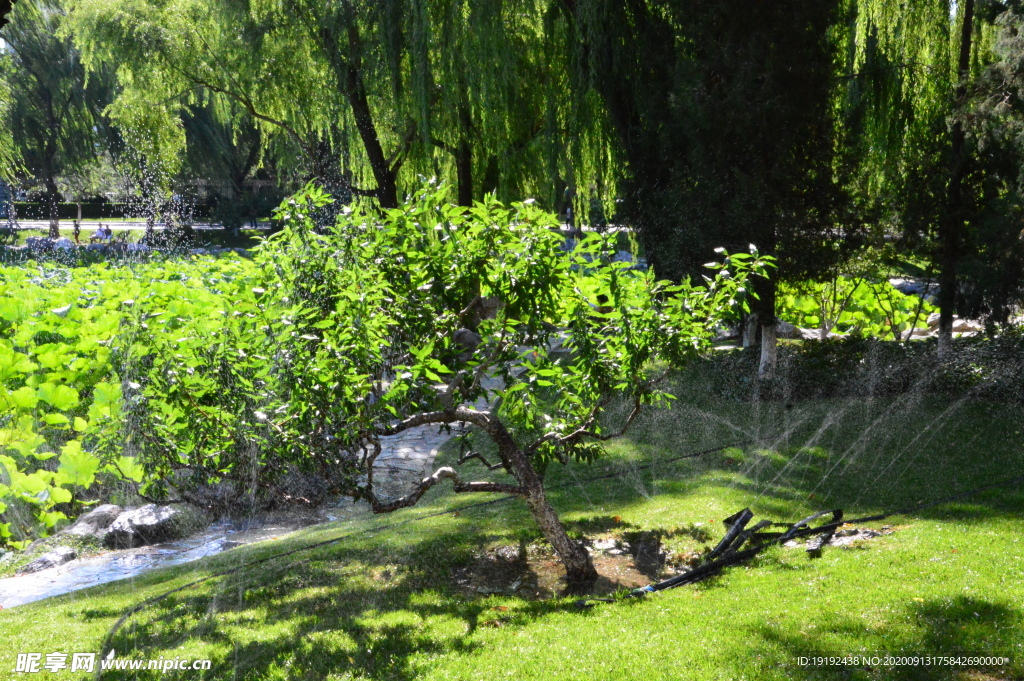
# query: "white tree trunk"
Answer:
x=748 y=334
x=945 y=336
x=769 y=351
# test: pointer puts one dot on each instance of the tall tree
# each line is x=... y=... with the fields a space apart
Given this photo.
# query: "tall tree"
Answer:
x=370 y=92
x=55 y=112
x=724 y=112
x=913 y=66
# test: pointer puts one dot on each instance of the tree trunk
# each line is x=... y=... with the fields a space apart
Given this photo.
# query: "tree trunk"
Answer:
x=951 y=226
x=769 y=349
x=764 y=307
x=464 y=174
x=53 y=207
x=383 y=173
x=748 y=337
x=579 y=569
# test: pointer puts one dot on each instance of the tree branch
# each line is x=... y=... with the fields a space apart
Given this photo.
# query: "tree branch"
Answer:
x=476 y=455
x=440 y=474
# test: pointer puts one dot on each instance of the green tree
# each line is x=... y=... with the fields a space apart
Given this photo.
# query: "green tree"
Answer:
x=369 y=92
x=432 y=315
x=727 y=127
x=913 y=68
x=54 y=112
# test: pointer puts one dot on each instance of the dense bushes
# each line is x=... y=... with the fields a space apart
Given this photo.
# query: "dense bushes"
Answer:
x=989 y=368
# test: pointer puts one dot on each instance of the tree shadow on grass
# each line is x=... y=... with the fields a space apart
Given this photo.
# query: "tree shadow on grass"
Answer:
x=962 y=626
x=346 y=610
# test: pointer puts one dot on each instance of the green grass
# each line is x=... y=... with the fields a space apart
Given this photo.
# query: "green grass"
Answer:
x=381 y=603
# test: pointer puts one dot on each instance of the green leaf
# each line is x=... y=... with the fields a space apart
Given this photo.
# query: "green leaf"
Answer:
x=24 y=398
x=60 y=397
x=77 y=467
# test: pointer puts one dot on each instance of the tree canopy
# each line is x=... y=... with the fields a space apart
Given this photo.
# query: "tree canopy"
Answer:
x=436 y=315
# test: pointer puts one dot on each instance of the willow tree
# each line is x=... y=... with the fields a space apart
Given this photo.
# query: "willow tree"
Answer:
x=911 y=69
x=54 y=112
x=371 y=93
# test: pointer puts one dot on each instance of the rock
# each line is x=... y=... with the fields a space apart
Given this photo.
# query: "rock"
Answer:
x=933 y=320
x=55 y=558
x=62 y=311
x=726 y=333
x=787 y=330
x=39 y=242
x=199 y=251
x=467 y=340
x=622 y=256
x=95 y=522
x=966 y=326
x=64 y=243
x=152 y=524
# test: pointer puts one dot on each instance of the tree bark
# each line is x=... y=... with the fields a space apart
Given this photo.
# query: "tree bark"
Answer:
x=748 y=333
x=579 y=569
x=769 y=349
x=951 y=226
x=53 y=207
x=383 y=172
x=764 y=307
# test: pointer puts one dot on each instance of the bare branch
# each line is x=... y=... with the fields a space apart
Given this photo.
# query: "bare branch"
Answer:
x=440 y=474
x=476 y=455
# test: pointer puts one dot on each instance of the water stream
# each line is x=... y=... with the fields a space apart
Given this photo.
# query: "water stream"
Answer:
x=113 y=565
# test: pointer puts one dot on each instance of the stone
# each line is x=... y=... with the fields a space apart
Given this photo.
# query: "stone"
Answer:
x=933 y=320
x=39 y=242
x=966 y=326
x=151 y=524
x=787 y=330
x=95 y=522
x=467 y=340
x=52 y=559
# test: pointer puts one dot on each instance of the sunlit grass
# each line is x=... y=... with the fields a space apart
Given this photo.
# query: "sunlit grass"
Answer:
x=382 y=604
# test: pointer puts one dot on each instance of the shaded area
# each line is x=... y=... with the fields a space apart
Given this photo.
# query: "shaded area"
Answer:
x=961 y=626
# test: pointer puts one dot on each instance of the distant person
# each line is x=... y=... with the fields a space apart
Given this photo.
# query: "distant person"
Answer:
x=77 y=232
x=102 y=234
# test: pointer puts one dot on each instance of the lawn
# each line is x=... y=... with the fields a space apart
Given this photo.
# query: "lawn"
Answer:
x=381 y=601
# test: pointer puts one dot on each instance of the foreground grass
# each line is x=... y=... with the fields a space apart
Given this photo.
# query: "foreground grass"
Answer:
x=381 y=603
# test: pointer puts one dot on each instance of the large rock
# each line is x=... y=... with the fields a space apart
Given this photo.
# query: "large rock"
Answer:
x=55 y=558
x=967 y=326
x=787 y=330
x=96 y=522
x=152 y=524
